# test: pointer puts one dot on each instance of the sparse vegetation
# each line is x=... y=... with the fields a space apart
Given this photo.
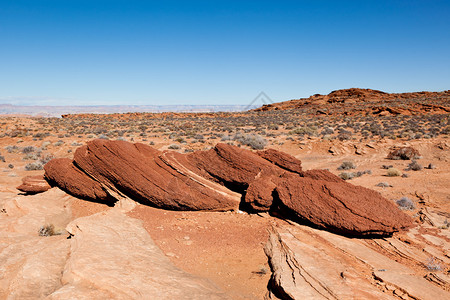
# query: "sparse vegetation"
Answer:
x=405 y=203
x=415 y=166
x=254 y=141
x=383 y=184
x=49 y=230
x=37 y=165
x=351 y=175
x=174 y=147
x=393 y=172
x=433 y=265
x=347 y=165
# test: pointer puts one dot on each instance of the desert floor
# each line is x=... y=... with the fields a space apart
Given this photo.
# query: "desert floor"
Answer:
x=227 y=248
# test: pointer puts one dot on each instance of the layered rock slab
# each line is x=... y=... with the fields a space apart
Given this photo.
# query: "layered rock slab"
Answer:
x=315 y=264
x=113 y=257
x=138 y=172
x=224 y=178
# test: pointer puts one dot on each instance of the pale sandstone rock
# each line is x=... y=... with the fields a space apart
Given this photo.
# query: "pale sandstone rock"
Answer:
x=314 y=264
x=113 y=256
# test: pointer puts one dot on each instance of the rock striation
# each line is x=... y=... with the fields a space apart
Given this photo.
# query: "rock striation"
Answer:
x=224 y=178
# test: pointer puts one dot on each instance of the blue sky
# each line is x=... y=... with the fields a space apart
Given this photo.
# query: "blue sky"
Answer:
x=76 y=52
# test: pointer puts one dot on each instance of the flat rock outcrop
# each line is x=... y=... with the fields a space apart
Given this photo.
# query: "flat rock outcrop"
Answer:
x=313 y=264
x=109 y=255
x=224 y=178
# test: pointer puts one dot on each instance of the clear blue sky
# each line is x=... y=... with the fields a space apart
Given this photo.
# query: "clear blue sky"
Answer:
x=217 y=52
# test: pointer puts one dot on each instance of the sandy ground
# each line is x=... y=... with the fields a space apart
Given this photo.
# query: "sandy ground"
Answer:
x=227 y=247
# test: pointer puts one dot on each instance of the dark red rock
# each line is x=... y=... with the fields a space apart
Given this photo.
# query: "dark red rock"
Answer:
x=339 y=206
x=259 y=195
x=139 y=172
x=218 y=179
x=282 y=160
x=61 y=172
x=321 y=175
x=34 y=184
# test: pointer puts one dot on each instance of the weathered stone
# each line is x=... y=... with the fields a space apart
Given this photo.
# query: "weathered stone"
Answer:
x=34 y=184
x=218 y=179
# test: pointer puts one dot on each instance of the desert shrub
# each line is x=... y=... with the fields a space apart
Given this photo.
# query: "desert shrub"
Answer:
x=32 y=156
x=11 y=166
x=433 y=265
x=327 y=131
x=347 y=175
x=2 y=158
x=361 y=173
x=392 y=172
x=58 y=143
x=350 y=175
x=225 y=138
x=37 y=165
x=46 y=158
x=174 y=147
x=102 y=137
x=404 y=153
x=28 y=149
x=12 y=149
x=303 y=131
x=48 y=230
x=383 y=184
x=405 y=203
x=347 y=165
x=45 y=144
x=415 y=166
x=344 y=135
x=387 y=166
x=254 y=141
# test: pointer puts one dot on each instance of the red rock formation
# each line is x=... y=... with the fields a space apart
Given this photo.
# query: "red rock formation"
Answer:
x=217 y=179
x=64 y=174
x=34 y=185
x=339 y=206
x=376 y=102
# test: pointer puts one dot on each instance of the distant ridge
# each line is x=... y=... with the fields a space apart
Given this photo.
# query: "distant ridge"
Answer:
x=58 y=111
x=357 y=96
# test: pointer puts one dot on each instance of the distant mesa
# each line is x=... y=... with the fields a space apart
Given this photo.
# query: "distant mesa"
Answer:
x=370 y=101
x=224 y=178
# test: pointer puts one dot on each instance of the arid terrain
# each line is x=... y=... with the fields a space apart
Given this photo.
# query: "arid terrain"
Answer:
x=57 y=246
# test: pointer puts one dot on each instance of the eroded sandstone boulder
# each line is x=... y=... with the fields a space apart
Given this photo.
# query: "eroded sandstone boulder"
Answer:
x=224 y=178
x=34 y=185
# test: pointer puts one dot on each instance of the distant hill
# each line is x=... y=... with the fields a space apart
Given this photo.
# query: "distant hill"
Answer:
x=57 y=111
x=368 y=101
